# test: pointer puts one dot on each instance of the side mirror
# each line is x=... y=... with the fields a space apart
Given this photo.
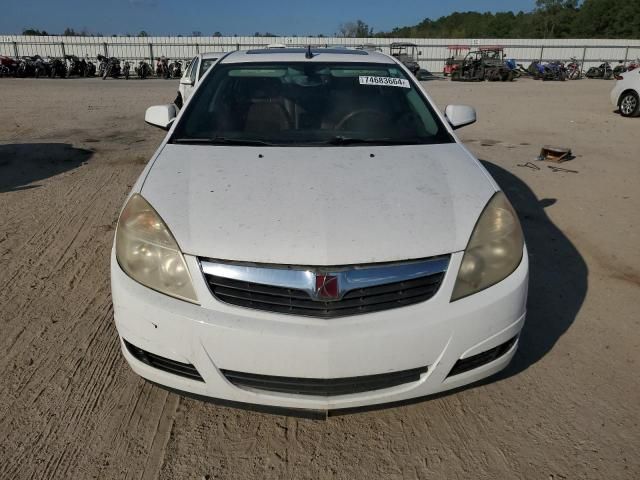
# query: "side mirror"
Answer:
x=160 y=116
x=186 y=81
x=460 y=115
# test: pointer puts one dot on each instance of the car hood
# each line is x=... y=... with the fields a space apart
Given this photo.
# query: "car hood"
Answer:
x=318 y=206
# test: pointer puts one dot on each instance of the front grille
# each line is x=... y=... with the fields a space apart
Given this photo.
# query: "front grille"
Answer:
x=323 y=386
x=299 y=302
x=475 y=361
x=161 y=363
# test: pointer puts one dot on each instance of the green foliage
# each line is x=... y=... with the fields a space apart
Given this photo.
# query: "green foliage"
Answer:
x=33 y=31
x=550 y=19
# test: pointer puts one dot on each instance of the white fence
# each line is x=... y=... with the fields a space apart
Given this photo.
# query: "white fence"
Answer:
x=433 y=52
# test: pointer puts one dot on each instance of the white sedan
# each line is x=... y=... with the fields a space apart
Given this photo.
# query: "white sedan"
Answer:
x=198 y=66
x=311 y=234
x=626 y=93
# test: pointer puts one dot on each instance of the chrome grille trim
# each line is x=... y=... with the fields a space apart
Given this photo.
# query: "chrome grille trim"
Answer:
x=304 y=278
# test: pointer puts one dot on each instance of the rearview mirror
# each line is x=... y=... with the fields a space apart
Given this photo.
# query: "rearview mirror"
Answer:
x=186 y=81
x=460 y=115
x=160 y=116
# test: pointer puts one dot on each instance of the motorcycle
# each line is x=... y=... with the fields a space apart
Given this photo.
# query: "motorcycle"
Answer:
x=623 y=67
x=112 y=68
x=175 y=69
x=162 y=67
x=513 y=67
x=554 y=70
x=26 y=66
x=58 y=68
x=90 y=71
x=603 y=71
x=126 y=70
x=76 y=66
x=574 y=69
x=102 y=65
x=8 y=66
x=42 y=67
x=143 y=70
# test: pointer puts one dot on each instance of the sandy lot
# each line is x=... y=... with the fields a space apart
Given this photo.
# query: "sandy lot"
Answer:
x=567 y=406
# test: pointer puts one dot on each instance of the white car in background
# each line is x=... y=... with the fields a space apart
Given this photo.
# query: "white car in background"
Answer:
x=192 y=75
x=311 y=234
x=626 y=93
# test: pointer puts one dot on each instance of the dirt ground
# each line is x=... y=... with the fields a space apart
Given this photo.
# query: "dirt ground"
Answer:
x=70 y=408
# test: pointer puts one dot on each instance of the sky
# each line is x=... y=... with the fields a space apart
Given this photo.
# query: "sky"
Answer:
x=281 y=17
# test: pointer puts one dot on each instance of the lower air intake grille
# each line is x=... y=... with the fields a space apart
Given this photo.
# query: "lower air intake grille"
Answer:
x=161 y=363
x=475 y=361
x=321 y=386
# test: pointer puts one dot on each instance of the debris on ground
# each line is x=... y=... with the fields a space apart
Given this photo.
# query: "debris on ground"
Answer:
x=564 y=170
x=555 y=154
x=530 y=165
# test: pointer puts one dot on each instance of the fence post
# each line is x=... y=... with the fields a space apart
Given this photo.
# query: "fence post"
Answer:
x=64 y=53
x=15 y=49
x=106 y=50
x=584 y=55
x=237 y=46
x=541 y=52
x=151 y=53
x=197 y=49
x=626 y=54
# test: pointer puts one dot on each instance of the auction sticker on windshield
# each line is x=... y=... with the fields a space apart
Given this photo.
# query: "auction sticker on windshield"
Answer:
x=385 y=81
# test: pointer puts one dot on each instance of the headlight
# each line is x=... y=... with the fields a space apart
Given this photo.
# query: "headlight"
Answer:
x=494 y=250
x=148 y=253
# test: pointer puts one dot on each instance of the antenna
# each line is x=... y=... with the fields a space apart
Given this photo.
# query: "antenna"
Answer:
x=308 y=53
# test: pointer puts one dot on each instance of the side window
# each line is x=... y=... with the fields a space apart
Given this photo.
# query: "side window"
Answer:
x=194 y=69
x=187 y=72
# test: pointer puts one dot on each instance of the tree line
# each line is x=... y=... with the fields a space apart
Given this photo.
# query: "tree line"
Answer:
x=550 y=19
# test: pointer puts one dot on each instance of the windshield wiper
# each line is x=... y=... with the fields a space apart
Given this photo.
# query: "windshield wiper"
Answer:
x=340 y=140
x=222 y=141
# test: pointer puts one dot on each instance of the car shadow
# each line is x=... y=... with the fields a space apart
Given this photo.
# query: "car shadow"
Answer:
x=22 y=164
x=558 y=275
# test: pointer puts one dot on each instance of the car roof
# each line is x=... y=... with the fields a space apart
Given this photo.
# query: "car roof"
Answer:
x=337 y=55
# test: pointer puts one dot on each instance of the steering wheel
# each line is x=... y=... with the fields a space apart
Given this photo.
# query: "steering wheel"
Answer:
x=351 y=115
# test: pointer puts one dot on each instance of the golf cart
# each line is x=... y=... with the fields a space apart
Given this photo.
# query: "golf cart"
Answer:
x=455 y=58
x=486 y=63
x=408 y=54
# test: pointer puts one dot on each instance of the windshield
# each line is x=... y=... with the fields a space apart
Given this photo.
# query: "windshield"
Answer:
x=309 y=104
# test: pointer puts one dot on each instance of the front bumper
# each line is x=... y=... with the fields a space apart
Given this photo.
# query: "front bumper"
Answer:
x=615 y=93
x=214 y=336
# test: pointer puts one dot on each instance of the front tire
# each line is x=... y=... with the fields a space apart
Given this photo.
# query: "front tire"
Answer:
x=629 y=104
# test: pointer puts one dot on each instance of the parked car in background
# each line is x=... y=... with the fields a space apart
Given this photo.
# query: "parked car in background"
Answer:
x=198 y=66
x=625 y=94
x=312 y=234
